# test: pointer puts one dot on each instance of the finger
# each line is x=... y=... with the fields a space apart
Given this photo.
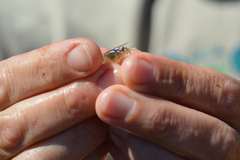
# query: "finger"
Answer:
x=40 y=117
x=202 y=89
x=135 y=148
x=47 y=68
x=73 y=144
x=112 y=75
x=185 y=131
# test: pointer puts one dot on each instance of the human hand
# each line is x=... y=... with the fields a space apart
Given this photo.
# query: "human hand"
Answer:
x=39 y=101
x=183 y=111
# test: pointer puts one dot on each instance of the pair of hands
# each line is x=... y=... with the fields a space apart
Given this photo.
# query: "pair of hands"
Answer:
x=167 y=110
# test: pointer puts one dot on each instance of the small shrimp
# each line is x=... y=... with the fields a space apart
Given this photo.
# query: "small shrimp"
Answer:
x=118 y=53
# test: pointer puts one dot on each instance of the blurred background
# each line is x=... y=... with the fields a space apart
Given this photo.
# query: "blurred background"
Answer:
x=202 y=32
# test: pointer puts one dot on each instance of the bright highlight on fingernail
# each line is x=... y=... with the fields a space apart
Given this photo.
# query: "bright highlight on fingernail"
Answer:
x=117 y=105
x=140 y=71
x=80 y=58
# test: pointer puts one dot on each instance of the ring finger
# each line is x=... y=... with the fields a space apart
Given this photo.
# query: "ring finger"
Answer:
x=40 y=117
x=73 y=144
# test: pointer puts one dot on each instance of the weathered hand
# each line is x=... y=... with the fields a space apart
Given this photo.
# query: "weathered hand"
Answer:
x=43 y=93
x=192 y=112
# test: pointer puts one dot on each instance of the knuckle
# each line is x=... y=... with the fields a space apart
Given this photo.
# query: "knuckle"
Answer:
x=43 y=69
x=79 y=103
x=230 y=93
x=227 y=98
x=226 y=140
x=11 y=136
x=224 y=135
x=162 y=122
x=175 y=80
x=51 y=68
x=234 y=152
x=199 y=81
x=5 y=88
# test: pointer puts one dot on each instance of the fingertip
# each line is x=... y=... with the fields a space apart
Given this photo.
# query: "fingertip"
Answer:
x=113 y=104
x=85 y=56
x=94 y=52
x=138 y=69
x=103 y=99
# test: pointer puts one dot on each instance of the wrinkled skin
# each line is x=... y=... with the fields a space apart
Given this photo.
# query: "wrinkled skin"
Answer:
x=160 y=109
x=46 y=112
x=170 y=110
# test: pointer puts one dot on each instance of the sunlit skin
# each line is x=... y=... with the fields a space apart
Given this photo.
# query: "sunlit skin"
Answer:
x=160 y=106
x=46 y=112
x=148 y=107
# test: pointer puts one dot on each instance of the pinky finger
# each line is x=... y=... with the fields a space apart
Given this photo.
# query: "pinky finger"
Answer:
x=73 y=144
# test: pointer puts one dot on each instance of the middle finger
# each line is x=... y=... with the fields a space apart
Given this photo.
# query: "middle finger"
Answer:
x=40 y=117
x=73 y=144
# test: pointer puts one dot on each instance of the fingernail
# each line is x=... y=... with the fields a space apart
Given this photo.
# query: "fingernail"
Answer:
x=117 y=105
x=81 y=58
x=143 y=71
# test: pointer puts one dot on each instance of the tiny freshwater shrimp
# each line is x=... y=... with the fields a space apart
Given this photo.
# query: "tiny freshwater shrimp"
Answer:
x=117 y=54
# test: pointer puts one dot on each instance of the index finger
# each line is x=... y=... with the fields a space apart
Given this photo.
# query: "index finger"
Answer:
x=46 y=68
x=196 y=87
